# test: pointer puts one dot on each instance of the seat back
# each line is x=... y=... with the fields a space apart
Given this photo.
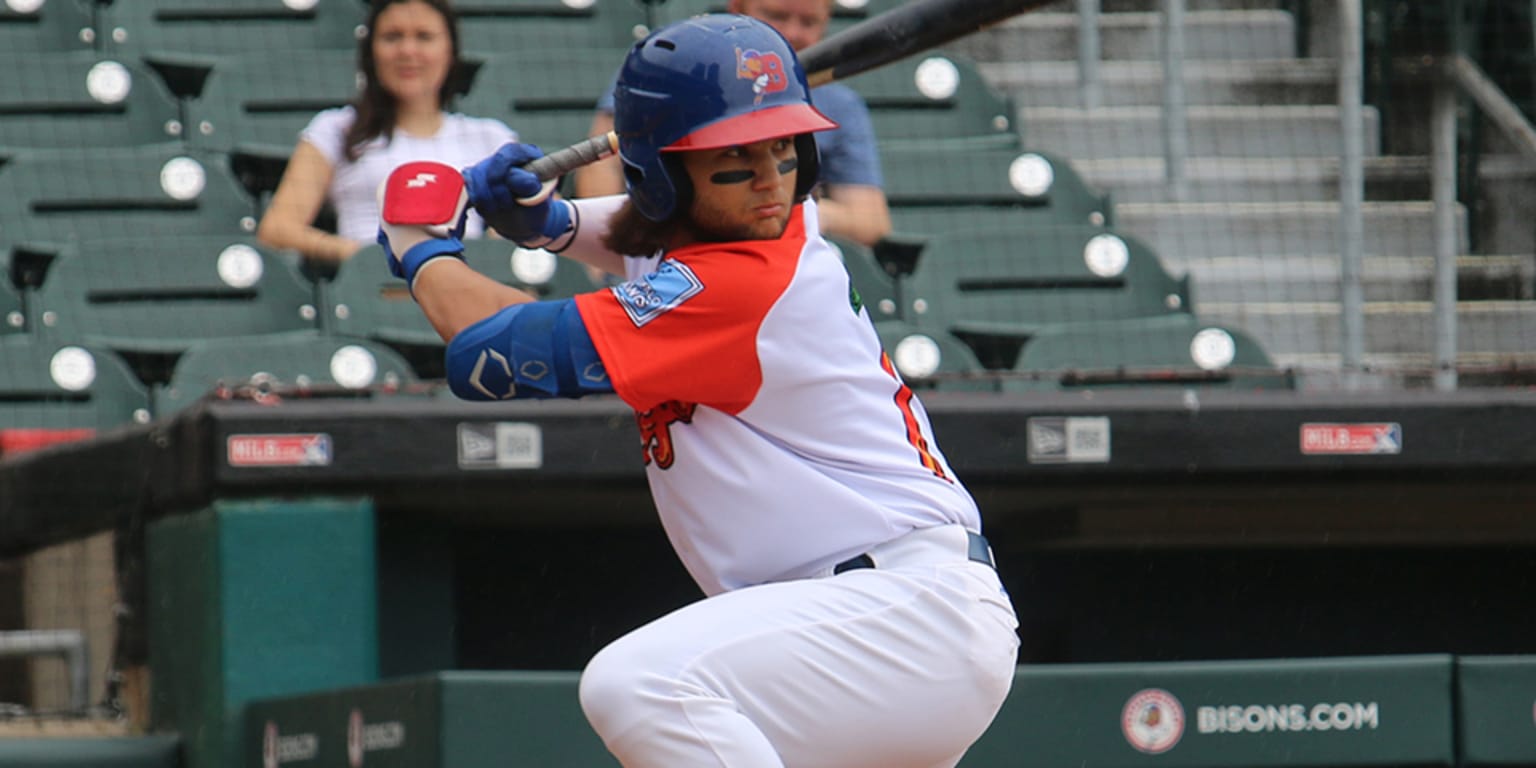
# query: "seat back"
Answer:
x=366 y=301
x=302 y=364
x=1013 y=281
x=55 y=25
x=1172 y=350
x=930 y=186
x=222 y=27
x=938 y=95
x=552 y=112
x=53 y=388
x=102 y=193
x=257 y=102
x=929 y=358
x=489 y=27
x=162 y=294
x=877 y=289
x=76 y=99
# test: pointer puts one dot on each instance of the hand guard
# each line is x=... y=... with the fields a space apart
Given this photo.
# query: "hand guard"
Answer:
x=422 y=209
x=514 y=202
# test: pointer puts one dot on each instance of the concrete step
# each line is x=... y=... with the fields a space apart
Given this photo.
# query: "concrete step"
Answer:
x=1315 y=278
x=1047 y=36
x=1489 y=329
x=1214 y=131
x=1208 y=230
x=1154 y=6
x=1268 y=82
x=1254 y=180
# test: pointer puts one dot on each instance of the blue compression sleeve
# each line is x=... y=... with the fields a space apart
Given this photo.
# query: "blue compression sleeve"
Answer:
x=535 y=350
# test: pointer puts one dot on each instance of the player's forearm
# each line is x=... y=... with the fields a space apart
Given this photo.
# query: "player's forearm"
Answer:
x=592 y=224
x=454 y=297
x=856 y=214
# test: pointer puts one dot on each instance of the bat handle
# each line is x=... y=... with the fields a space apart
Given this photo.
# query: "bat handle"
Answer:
x=584 y=152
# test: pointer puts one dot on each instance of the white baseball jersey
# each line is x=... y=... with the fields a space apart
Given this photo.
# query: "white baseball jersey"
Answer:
x=777 y=438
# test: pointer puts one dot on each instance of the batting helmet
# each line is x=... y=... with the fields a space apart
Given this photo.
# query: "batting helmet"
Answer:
x=705 y=83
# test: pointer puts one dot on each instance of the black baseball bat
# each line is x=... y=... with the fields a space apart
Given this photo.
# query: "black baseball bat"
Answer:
x=891 y=36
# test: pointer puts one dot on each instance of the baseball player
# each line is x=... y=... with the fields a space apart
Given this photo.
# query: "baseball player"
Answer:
x=853 y=615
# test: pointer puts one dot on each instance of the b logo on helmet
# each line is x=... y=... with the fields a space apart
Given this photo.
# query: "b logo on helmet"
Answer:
x=765 y=70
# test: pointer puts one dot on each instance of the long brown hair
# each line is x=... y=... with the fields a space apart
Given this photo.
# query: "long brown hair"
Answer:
x=375 y=106
x=632 y=234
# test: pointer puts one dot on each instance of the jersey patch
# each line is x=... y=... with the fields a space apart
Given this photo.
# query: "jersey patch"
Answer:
x=657 y=293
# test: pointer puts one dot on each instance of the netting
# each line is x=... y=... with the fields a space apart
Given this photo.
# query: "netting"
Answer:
x=1313 y=199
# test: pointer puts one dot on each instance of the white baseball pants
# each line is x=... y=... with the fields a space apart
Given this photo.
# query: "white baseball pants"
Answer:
x=901 y=666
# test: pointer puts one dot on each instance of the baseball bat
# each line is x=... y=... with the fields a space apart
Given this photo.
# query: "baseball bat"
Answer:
x=891 y=36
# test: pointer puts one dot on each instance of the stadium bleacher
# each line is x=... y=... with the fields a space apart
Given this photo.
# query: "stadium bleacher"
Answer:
x=66 y=99
x=319 y=365
x=47 y=27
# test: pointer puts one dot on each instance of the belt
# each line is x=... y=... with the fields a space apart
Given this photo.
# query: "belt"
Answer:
x=900 y=550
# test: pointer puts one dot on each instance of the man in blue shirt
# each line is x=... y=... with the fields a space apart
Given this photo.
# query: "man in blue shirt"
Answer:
x=850 y=200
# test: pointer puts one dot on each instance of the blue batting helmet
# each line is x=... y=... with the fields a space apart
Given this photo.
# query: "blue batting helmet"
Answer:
x=704 y=83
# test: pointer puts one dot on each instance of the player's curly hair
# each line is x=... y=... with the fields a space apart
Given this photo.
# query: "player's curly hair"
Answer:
x=375 y=106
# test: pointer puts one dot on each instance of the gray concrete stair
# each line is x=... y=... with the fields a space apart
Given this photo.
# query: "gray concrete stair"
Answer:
x=1047 y=36
x=1486 y=330
x=1214 y=131
x=1253 y=180
x=1258 y=82
x=1315 y=278
x=1207 y=230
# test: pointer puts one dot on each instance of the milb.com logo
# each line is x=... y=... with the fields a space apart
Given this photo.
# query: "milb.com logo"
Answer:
x=1255 y=718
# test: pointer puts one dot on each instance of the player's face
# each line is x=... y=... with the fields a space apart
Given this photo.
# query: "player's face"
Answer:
x=801 y=22
x=742 y=193
x=412 y=51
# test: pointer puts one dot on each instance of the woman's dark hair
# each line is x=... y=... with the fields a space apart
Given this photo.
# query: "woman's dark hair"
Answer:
x=375 y=106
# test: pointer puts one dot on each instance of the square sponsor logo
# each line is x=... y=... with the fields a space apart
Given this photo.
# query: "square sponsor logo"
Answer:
x=1068 y=440
x=500 y=445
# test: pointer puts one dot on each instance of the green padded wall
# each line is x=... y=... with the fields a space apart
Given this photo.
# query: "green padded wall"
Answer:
x=444 y=720
x=256 y=598
x=1306 y=712
x=157 y=751
x=1496 y=709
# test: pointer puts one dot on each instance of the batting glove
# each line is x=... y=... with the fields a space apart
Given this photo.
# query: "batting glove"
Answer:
x=423 y=206
x=515 y=203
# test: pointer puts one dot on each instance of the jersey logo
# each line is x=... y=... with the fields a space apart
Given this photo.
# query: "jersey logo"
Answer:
x=765 y=70
x=656 y=431
x=652 y=296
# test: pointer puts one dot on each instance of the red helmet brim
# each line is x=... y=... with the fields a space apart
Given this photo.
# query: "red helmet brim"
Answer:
x=754 y=126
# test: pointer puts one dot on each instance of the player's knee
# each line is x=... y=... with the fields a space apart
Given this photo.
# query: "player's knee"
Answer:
x=611 y=690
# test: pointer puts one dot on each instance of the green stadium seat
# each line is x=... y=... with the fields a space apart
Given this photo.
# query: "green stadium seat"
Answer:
x=53 y=388
x=256 y=103
x=932 y=359
x=947 y=186
x=54 y=25
x=1172 y=350
x=938 y=95
x=162 y=294
x=97 y=194
x=283 y=365
x=366 y=301
x=845 y=13
x=490 y=27
x=193 y=31
x=877 y=288
x=13 y=308
x=83 y=99
x=546 y=95
x=1005 y=285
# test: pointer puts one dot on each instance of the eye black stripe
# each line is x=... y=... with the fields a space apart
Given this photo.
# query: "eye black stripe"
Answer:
x=732 y=177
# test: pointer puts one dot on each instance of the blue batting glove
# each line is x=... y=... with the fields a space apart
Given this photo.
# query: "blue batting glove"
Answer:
x=513 y=201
